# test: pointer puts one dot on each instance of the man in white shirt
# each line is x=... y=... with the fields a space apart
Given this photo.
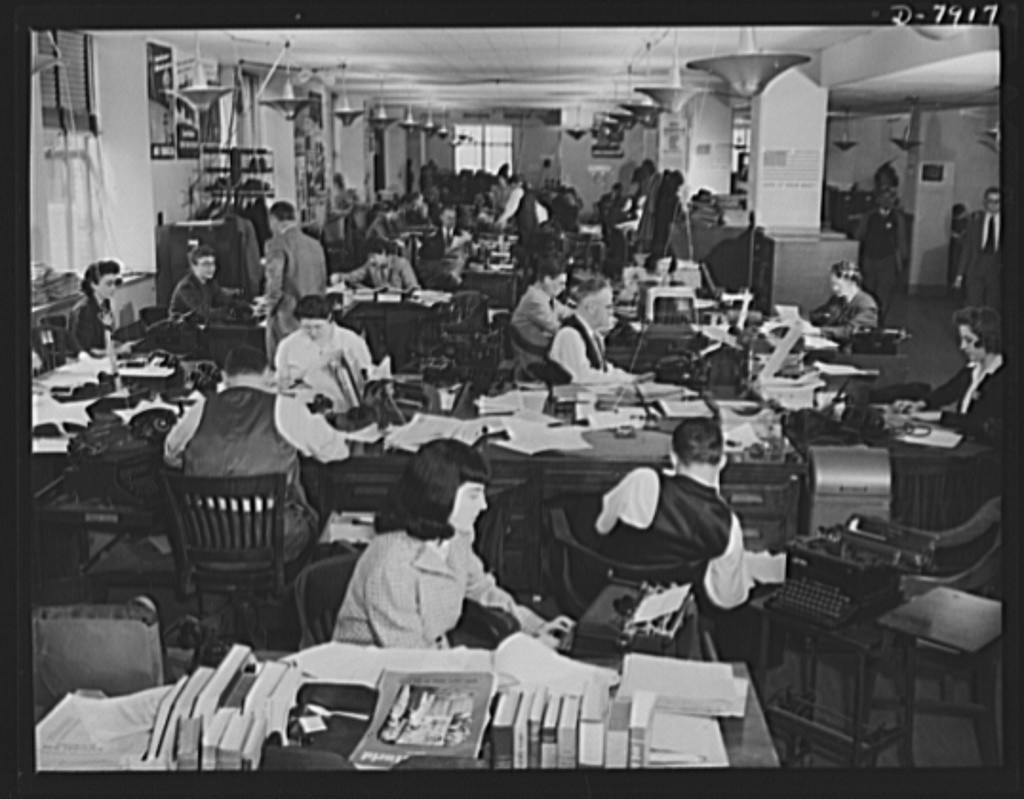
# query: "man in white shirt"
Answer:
x=980 y=266
x=578 y=347
x=247 y=429
x=322 y=357
x=523 y=205
x=679 y=516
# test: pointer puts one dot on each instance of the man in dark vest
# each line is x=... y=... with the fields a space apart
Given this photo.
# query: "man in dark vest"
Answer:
x=248 y=429
x=578 y=347
x=678 y=516
x=980 y=261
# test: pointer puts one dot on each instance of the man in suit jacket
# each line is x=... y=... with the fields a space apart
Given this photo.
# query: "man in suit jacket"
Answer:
x=443 y=254
x=981 y=254
x=295 y=267
x=884 y=248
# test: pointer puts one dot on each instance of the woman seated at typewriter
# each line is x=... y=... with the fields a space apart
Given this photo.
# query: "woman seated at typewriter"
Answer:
x=409 y=585
x=322 y=357
x=973 y=397
x=92 y=318
x=199 y=293
x=678 y=516
x=850 y=309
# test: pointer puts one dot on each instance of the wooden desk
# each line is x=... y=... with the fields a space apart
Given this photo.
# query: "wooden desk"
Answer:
x=764 y=495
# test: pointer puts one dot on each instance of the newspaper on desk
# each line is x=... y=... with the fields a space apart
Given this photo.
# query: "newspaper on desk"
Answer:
x=90 y=733
x=425 y=428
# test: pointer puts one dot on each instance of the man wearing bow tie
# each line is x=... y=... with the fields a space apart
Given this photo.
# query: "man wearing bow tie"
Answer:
x=981 y=255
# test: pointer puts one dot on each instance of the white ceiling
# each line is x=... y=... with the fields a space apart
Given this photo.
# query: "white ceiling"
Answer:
x=563 y=67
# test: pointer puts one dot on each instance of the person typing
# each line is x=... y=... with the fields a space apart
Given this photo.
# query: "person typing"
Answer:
x=382 y=270
x=850 y=309
x=578 y=346
x=409 y=585
x=679 y=516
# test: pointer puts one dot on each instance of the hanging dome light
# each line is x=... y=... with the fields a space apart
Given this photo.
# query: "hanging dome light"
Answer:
x=672 y=97
x=200 y=95
x=410 y=123
x=346 y=113
x=749 y=71
x=905 y=143
x=577 y=131
x=287 y=104
x=645 y=110
x=430 y=127
x=845 y=143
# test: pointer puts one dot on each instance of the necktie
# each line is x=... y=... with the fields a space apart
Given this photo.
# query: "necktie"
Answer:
x=600 y=349
x=990 y=235
x=346 y=382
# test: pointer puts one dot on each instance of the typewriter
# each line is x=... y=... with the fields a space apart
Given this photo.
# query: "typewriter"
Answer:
x=850 y=570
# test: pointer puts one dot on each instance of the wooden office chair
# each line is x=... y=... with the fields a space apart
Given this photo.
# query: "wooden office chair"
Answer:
x=318 y=592
x=228 y=539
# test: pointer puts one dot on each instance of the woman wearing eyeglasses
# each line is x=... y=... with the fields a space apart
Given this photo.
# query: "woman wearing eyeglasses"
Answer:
x=92 y=317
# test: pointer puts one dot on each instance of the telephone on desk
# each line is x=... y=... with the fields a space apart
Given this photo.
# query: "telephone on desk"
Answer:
x=850 y=570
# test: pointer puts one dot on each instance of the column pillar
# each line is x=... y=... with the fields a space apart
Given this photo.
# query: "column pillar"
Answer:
x=710 y=141
x=787 y=163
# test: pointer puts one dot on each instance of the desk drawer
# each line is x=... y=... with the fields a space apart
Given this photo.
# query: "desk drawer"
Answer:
x=764 y=498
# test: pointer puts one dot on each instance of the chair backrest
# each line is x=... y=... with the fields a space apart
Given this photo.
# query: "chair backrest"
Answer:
x=967 y=557
x=54 y=320
x=319 y=591
x=53 y=345
x=228 y=532
x=578 y=570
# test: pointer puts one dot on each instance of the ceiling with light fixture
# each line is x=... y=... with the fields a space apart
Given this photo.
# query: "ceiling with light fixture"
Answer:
x=562 y=67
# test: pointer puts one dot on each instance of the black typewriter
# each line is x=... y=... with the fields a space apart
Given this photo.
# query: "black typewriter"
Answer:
x=850 y=570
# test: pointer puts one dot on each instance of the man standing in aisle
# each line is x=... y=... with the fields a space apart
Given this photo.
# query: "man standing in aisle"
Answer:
x=295 y=267
x=981 y=254
x=884 y=248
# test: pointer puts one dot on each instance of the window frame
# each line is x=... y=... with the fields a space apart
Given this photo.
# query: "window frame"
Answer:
x=73 y=77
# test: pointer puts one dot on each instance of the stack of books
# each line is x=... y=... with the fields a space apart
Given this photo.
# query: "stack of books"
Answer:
x=218 y=719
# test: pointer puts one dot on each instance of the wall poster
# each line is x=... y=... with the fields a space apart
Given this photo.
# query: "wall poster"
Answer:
x=160 y=80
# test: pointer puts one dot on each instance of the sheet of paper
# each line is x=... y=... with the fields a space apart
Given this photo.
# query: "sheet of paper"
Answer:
x=46 y=409
x=389 y=296
x=741 y=436
x=937 y=437
x=533 y=439
x=430 y=298
x=788 y=313
x=682 y=408
x=50 y=446
x=683 y=686
x=702 y=304
x=652 y=390
x=350 y=663
x=843 y=370
x=656 y=605
x=612 y=420
x=764 y=567
x=424 y=427
x=928 y=416
x=526 y=661
x=513 y=401
x=149 y=370
x=683 y=741
x=818 y=342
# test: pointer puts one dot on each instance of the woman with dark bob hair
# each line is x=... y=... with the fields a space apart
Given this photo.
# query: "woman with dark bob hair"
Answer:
x=93 y=316
x=408 y=586
x=974 y=396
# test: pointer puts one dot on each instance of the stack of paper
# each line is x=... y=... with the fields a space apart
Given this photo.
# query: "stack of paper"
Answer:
x=843 y=370
x=513 y=402
x=679 y=409
x=429 y=298
x=684 y=686
x=683 y=741
x=613 y=420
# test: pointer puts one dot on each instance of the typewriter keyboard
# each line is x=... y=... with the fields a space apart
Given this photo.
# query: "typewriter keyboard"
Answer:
x=813 y=601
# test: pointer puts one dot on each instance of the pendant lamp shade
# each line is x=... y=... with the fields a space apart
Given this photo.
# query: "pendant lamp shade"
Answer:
x=749 y=71
x=379 y=118
x=905 y=143
x=409 y=123
x=577 y=131
x=671 y=97
x=845 y=143
x=624 y=118
x=346 y=113
x=430 y=127
x=287 y=104
x=201 y=95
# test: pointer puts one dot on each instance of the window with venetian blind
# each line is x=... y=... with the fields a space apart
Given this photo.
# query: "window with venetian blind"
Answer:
x=66 y=89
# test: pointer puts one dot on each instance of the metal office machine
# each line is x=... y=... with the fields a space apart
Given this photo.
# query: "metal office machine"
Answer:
x=668 y=304
x=845 y=481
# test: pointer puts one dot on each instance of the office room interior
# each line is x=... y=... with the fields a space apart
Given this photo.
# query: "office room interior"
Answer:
x=769 y=259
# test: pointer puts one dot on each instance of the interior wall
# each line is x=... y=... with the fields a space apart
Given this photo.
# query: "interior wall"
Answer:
x=533 y=144
x=591 y=176
x=349 y=154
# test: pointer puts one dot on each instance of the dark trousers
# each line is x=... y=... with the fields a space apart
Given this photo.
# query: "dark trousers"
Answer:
x=880 y=280
x=982 y=282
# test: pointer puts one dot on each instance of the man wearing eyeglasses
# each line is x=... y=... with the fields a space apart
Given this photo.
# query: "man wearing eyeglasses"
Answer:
x=198 y=292
x=981 y=254
x=578 y=347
